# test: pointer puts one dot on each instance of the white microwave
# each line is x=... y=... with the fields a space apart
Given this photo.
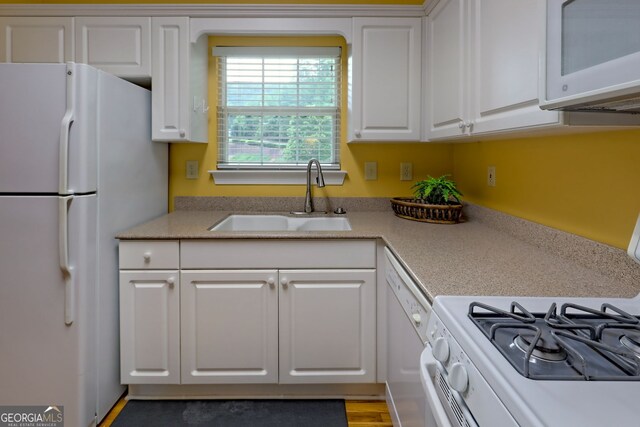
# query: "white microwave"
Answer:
x=592 y=56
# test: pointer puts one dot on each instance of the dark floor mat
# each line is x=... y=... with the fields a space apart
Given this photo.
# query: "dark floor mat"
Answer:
x=233 y=413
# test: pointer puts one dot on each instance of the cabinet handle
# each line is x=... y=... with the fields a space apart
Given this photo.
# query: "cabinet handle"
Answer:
x=284 y=282
x=271 y=282
x=147 y=257
x=357 y=133
x=465 y=125
x=182 y=133
x=171 y=281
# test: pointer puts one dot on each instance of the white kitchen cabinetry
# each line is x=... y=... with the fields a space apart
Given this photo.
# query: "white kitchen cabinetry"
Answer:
x=291 y=311
x=482 y=68
x=229 y=326
x=179 y=71
x=239 y=326
x=309 y=319
x=36 y=39
x=149 y=313
x=117 y=45
x=385 y=80
x=327 y=326
x=447 y=97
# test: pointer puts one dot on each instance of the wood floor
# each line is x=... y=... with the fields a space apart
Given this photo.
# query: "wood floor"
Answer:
x=360 y=413
x=367 y=413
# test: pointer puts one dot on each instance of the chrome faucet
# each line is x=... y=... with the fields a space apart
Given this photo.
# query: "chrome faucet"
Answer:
x=308 y=202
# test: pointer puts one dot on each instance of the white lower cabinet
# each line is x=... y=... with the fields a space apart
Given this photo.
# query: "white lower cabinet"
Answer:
x=291 y=324
x=150 y=327
x=229 y=326
x=327 y=326
x=245 y=326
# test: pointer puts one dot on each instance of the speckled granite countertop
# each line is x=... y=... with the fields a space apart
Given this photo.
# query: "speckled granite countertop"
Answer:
x=470 y=258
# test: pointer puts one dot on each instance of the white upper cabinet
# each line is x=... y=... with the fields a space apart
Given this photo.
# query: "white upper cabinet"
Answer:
x=447 y=100
x=482 y=67
x=117 y=45
x=507 y=42
x=179 y=71
x=385 y=82
x=36 y=39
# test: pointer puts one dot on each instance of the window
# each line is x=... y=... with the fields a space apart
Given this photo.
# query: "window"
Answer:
x=278 y=107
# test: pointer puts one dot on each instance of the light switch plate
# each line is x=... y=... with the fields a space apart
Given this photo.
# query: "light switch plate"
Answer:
x=370 y=171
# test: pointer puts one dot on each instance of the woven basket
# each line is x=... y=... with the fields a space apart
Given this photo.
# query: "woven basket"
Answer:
x=416 y=211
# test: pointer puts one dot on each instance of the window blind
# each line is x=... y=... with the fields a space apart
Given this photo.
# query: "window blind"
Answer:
x=278 y=107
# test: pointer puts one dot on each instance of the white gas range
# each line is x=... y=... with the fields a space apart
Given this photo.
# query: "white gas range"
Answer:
x=567 y=381
x=529 y=361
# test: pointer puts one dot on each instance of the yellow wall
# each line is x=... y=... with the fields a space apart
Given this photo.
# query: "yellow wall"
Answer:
x=427 y=159
x=586 y=184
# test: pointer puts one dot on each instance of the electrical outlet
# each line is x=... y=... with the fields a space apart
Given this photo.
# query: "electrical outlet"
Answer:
x=491 y=176
x=406 y=171
x=192 y=169
x=370 y=171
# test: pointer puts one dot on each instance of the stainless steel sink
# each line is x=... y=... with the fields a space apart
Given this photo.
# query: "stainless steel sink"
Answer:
x=281 y=223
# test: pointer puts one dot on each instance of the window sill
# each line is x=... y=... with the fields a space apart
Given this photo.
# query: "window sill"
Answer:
x=274 y=177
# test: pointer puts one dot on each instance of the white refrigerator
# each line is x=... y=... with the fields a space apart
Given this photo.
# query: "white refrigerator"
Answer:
x=77 y=166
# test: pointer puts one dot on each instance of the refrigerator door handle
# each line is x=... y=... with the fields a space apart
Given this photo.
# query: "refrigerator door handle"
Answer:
x=65 y=131
x=63 y=248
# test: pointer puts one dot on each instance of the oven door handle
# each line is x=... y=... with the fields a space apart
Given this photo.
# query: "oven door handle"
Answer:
x=427 y=364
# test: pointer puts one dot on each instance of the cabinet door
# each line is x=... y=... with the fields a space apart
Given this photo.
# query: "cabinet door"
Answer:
x=36 y=39
x=386 y=79
x=508 y=40
x=179 y=71
x=150 y=327
x=229 y=326
x=117 y=45
x=170 y=70
x=447 y=99
x=327 y=326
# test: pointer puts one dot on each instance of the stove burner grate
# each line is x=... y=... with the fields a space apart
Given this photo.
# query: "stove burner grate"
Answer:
x=564 y=346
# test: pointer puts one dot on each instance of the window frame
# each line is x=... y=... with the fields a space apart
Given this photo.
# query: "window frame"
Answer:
x=223 y=111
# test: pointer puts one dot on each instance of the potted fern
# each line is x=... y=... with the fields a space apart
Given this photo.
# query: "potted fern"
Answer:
x=436 y=200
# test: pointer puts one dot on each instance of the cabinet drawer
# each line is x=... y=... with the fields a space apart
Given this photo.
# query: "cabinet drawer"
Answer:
x=149 y=255
x=235 y=253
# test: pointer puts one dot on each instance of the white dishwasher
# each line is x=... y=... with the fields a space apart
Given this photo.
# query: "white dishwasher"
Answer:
x=407 y=315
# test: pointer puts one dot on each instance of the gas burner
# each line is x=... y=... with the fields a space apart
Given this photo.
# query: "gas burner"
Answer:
x=631 y=341
x=545 y=348
x=573 y=343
